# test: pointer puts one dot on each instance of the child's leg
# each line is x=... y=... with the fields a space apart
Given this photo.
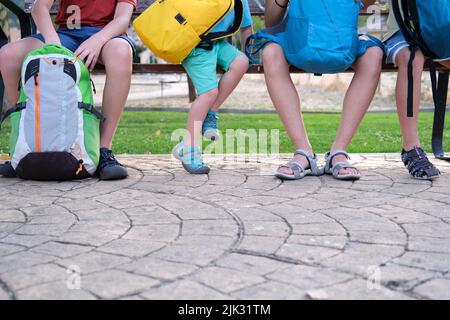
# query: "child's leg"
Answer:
x=11 y=57
x=117 y=56
x=201 y=67
x=235 y=65
x=230 y=80
x=357 y=100
x=197 y=114
x=409 y=126
x=285 y=99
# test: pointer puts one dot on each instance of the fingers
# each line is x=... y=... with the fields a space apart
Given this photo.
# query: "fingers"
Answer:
x=88 y=56
x=91 y=61
x=81 y=53
x=79 y=50
x=94 y=62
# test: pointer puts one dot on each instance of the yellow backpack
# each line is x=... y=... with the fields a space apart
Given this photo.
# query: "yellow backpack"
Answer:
x=171 y=29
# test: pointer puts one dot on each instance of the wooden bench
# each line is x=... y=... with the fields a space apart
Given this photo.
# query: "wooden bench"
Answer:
x=27 y=27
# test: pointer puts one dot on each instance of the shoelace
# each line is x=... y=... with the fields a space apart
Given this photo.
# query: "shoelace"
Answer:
x=419 y=161
x=108 y=158
x=422 y=158
x=211 y=120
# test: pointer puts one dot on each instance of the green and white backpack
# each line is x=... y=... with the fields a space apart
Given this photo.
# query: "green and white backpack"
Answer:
x=55 y=130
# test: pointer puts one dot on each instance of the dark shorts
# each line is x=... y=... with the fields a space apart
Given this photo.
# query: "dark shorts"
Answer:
x=73 y=38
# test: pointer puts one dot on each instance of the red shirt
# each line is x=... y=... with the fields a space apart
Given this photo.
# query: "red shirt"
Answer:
x=93 y=13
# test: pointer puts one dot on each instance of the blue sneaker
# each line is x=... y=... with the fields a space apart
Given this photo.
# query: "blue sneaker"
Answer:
x=210 y=127
x=192 y=161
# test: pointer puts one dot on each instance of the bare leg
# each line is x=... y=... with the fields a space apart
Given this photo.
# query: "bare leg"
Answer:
x=357 y=100
x=117 y=56
x=197 y=115
x=409 y=126
x=11 y=57
x=230 y=80
x=285 y=99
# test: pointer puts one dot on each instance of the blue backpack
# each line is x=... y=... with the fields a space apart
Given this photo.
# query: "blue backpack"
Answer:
x=426 y=26
x=317 y=36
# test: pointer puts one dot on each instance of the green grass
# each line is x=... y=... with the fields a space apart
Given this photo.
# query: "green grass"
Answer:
x=150 y=132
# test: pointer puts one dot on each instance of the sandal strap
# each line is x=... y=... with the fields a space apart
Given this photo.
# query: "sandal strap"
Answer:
x=312 y=159
x=297 y=168
x=343 y=165
x=193 y=156
x=330 y=156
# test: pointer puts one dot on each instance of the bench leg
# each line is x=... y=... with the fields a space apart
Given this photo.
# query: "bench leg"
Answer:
x=439 y=117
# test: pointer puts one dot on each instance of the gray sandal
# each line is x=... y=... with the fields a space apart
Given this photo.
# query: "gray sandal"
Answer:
x=334 y=169
x=299 y=172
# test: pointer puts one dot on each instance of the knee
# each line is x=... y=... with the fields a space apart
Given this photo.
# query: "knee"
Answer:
x=404 y=55
x=273 y=57
x=118 y=57
x=375 y=59
x=240 y=64
x=272 y=52
x=7 y=56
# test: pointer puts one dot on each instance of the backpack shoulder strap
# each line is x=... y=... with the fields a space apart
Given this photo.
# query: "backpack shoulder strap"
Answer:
x=238 y=18
x=9 y=112
x=401 y=19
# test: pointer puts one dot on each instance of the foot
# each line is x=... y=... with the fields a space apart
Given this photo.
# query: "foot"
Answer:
x=210 y=126
x=7 y=170
x=418 y=164
x=193 y=162
x=109 y=168
x=337 y=164
x=344 y=171
x=299 y=159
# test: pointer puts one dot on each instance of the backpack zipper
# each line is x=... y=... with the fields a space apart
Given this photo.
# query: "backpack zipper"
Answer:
x=79 y=157
x=37 y=119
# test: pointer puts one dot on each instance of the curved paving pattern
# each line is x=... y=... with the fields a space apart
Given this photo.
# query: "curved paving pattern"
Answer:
x=237 y=234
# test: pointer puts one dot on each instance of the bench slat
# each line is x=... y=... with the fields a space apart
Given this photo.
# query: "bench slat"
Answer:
x=254 y=69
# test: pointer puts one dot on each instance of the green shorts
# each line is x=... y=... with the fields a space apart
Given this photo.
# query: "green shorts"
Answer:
x=201 y=65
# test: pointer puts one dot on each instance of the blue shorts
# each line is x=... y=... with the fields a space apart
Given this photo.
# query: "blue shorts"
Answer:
x=394 y=45
x=73 y=38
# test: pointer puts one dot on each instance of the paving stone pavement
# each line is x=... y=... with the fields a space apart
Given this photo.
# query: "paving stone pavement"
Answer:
x=238 y=233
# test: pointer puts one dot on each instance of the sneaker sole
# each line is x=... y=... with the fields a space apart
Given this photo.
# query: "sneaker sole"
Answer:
x=200 y=171
x=427 y=178
x=114 y=174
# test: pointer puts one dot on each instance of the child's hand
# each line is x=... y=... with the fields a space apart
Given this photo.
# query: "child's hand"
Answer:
x=89 y=52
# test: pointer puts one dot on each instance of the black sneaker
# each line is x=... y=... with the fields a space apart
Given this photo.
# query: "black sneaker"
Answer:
x=419 y=165
x=7 y=170
x=109 y=168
